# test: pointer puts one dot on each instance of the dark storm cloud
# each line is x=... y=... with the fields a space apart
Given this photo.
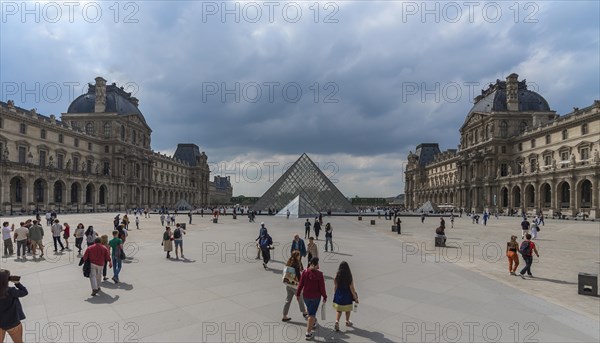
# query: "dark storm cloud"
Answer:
x=365 y=68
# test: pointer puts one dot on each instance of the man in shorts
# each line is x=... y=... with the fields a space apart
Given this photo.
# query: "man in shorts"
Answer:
x=36 y=235
x=178 y=239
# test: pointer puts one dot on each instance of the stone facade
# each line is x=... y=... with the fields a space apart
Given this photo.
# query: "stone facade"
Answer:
x=515 y=155
x=220 y=191
x=96 y=158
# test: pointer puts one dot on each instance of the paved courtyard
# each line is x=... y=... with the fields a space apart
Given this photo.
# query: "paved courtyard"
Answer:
x=409 y=290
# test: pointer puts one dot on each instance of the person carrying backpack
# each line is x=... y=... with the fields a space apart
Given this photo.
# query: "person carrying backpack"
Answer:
x=178 y=239
x=265 y=241
x=527 y=249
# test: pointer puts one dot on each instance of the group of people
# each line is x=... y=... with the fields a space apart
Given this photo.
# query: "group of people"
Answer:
x=173 y=237
x=527 y=248
x=308 y=285
x=29 y=236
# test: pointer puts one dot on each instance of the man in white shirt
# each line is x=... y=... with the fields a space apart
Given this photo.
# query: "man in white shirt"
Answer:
x=8 y=244
x=56 y=231
x=48 y=218
x=21 y=235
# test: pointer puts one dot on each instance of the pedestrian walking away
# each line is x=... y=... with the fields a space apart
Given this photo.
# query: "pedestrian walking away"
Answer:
x=261 y=232
x=524 y=228
x=265 y=242
x=312 y=288
x=178 y=239
x=328 y=236
x=344 y=294
x=312 y=249
x=513 y=256
x=36 y=236
x=11 y=311
x=137 y=223
x=66 y=234
x=298 y=245
x=97 y=254
x=291 y=278
x=116 y=247
x=422 y=218
x=317 y=228
x=167 y=242
x=527 y=249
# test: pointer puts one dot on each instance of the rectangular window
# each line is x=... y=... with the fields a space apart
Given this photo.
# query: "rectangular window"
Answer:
x=547 y=160
x=564 y=156
x=43 y=134
x=42 y=158
x=75 y=164
x=106 y=168
x=503 y=169
x=60 y=161
x=77 y=142
x=548 y=139
x=533 y=143
x=1 y=123
x=532 y=165
x=61 y=138
x=22 y=154
x=585 y=153
x=520 y=147
x=503 y=149
x=89 y=146
x=106 y=149
x=90 y=163
x=23 y=129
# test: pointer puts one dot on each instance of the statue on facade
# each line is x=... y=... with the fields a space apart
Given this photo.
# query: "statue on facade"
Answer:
x=509 y=170
x=596 y=156
x=50 y=162
x=553 y=164
x=573 y=162
x=5 y=154
x=97 y=168
x=69 y=164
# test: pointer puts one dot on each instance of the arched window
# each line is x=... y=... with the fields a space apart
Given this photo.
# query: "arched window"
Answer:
x=39 y=191
x=503 y=129
x=58 y=189
x=107 y=129
x=89 y=128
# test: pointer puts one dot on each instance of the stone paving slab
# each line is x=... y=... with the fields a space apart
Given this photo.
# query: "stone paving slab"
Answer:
x=221 y=293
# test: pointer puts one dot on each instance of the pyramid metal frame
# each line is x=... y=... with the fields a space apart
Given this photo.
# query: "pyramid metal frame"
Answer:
x=304 y=179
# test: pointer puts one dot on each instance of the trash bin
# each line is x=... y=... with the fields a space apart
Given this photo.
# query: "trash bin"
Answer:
x=394 y=228
x=359 y=217
x=372 y=221
x=588 y=284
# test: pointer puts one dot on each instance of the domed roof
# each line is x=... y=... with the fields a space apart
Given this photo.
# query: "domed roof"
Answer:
x=494 y=99
x=117 y=101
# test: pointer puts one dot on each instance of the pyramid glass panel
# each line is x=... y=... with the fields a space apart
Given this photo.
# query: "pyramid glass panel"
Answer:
x=316 y=191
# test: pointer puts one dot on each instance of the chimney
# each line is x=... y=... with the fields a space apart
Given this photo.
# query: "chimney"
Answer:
x=512 y=92
x=100 y=105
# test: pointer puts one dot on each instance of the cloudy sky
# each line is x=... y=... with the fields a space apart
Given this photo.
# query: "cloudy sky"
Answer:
x=355 y=84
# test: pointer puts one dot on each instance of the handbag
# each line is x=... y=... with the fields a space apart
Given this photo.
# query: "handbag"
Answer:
x=87 y=267
x=289 y=277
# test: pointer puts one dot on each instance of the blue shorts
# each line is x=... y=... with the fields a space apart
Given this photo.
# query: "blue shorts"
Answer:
x=312 y=305
x=178 y=242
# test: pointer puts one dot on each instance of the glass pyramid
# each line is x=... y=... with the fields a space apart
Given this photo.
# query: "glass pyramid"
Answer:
x=305 y=180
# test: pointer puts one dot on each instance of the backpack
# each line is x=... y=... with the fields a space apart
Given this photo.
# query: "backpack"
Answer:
x=525 y=248
x=177 y=233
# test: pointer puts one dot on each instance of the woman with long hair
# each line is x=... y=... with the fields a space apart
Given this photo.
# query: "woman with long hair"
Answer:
x=11 y=312
x=291 y=281
x=512 y=248
x=90 y=235
x=312 y=288
x=344 y=294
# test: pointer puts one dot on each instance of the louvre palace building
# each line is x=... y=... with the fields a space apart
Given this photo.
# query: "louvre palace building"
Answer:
x=97 y=157
x=515 y=155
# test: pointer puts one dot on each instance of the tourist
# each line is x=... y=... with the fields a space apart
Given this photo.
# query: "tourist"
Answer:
x=104 y=242
x=49 y=218
x=11 y=311
x=298 y=245
x=312 y=249
x=265 y=241
x=21 y=237
x=399 y=225
x=307 y=226
x=527 y=249
x=162 y=219
x=485 y=218
x=67 y=234
x=190 y=216
x=534 y=230
x=542 y=219
x=452 y=220
x=178 y=238
x=6 y=238
x=145 y=213
x=57 y=229
x=344 y=294
x=442 y=222
x=98 y=255
x=91 y=236
x=422 y=218
x=292 y=281
x=116 y=247
x=137 y=223
x=78 y=234
x=167 y=242
x=173 y=223
x=317 y=227
x=524 y=228
x=441 y=235
x=320 y=219
x=125 y=222
x=312 y=288
x=287 y=214
x=513 y=256
x=328 y=236
x=36 y=236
